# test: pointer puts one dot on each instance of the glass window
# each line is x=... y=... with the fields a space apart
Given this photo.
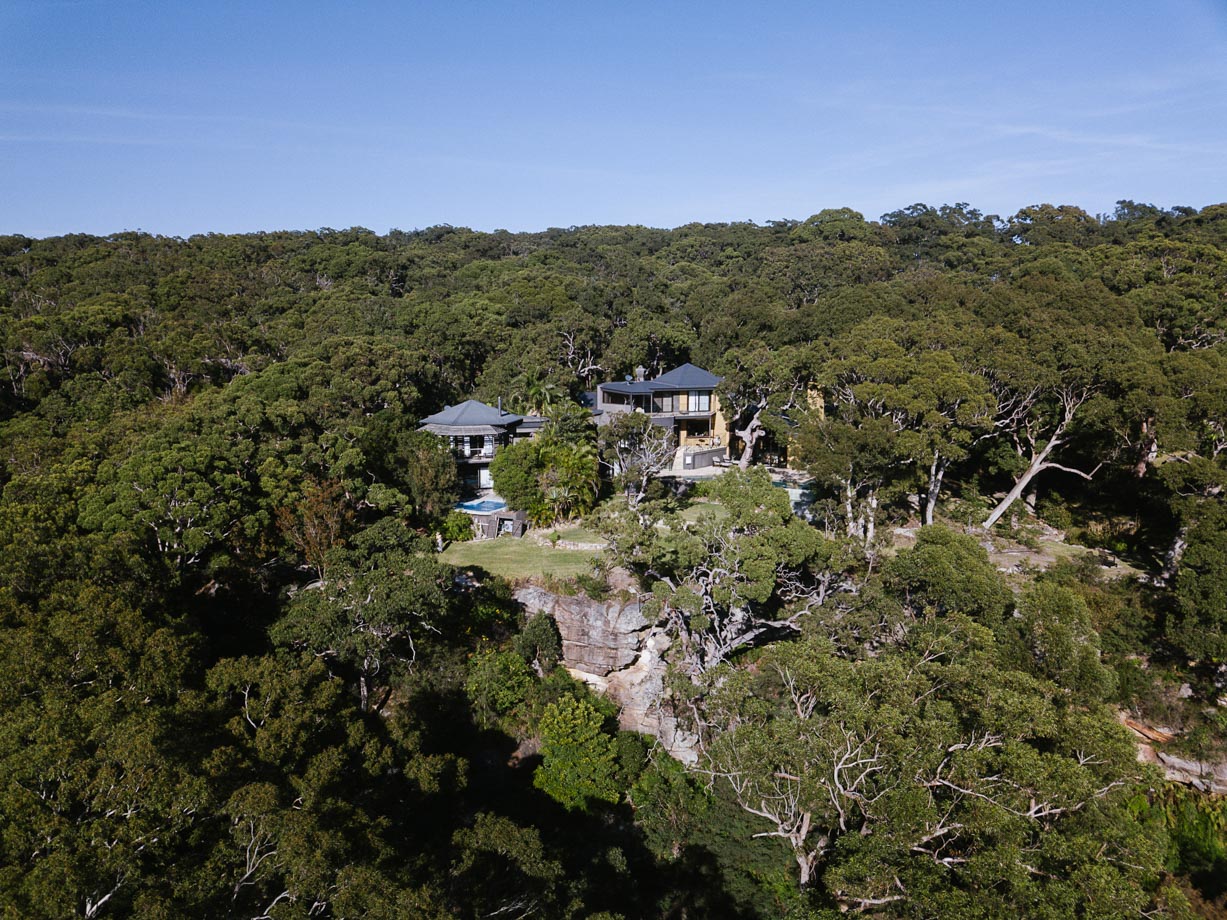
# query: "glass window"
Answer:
x=700 y=401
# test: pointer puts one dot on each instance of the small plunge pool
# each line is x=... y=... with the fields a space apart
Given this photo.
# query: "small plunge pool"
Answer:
x=482 y=505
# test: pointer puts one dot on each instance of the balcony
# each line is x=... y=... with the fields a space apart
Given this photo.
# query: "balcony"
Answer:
x=658 y=410
x=479 y=455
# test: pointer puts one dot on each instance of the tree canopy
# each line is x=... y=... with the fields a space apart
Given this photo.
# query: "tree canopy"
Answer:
x=238 y=679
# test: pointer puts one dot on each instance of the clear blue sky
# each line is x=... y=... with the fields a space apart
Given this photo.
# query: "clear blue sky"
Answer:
x=177 y=117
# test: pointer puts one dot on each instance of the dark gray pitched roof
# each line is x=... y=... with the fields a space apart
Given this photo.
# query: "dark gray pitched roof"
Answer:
x=686 y=377
x=630 y=387
x=468 y=414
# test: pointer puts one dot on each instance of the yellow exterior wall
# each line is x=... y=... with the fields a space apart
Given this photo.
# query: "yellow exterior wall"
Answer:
x=719 y=424
x=816 y=399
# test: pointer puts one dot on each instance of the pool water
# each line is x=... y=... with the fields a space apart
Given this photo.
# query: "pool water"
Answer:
x=482 y=505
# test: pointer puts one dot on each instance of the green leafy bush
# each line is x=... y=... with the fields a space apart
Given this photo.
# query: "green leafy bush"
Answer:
x=579 y=763
x=457 y=527
x=497 y=683
x=539 y=642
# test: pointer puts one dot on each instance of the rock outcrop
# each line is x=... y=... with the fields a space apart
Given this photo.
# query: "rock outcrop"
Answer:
x=614 y=648
x=1208 y=777
x=598 y=637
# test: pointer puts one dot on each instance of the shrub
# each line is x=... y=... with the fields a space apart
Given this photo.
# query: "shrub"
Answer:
x=579 y=763
x=457 y=527
x=497 y=683
x=539 y=642
x=1055 y=513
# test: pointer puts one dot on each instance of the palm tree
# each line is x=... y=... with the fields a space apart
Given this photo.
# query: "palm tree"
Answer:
x=536 y=393
x=571 y=481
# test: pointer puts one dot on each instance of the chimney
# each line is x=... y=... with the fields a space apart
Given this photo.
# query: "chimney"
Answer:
x=500 y=406
x=640 y=371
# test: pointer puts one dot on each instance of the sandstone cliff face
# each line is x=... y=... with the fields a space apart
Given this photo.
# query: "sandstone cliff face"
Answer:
x=1201 y=775
x=1207 y=777
x=611 y=646
x=598 y=637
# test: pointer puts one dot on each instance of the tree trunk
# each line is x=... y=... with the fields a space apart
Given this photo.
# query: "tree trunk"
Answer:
x=1012 y=495
x=805 y=857
x=639 y=491
x=750 y=436
x=363 y=692
x=1037 y=464
x=936 y=472
x=1175 y=552
x=1149 y=449
x=803 y=863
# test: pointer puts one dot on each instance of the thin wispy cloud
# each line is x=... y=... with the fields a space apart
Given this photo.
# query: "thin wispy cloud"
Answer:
x=1110 y=141
x=153 y=117
x=122 y=140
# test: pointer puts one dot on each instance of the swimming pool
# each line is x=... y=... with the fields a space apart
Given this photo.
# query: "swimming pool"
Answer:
x=482 y=505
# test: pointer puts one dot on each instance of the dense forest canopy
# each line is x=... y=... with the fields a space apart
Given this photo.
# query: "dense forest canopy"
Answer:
x=239 y=680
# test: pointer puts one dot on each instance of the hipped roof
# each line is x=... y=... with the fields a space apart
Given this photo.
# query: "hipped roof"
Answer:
x=686 y=377
x=470 y=414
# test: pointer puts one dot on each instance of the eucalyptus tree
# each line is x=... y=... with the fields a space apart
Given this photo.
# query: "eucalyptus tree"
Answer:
x=636 y=450
x=288 y=752
x=1053 y=385
x=99 y=797
x=1046 y=224
x=925 y=232
x=862 y=462
x=732 y=578
x=649 y=339
x=1189 y=448
x=1175 y=286
x=762 y=390
x=1198 y=626
x=897 y=395
x=381 y=599
x=922 y=781
x=581 y=339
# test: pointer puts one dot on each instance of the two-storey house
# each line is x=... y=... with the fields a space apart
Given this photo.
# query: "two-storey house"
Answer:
x=683 y=400
x=476 y=432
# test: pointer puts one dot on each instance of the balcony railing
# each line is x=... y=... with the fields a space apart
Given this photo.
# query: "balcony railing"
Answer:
x=623 y=407
x=473 y=455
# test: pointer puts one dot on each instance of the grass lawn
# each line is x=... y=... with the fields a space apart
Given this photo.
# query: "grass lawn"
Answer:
x=698 y=509
x=515 y=559
x=579 y=535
